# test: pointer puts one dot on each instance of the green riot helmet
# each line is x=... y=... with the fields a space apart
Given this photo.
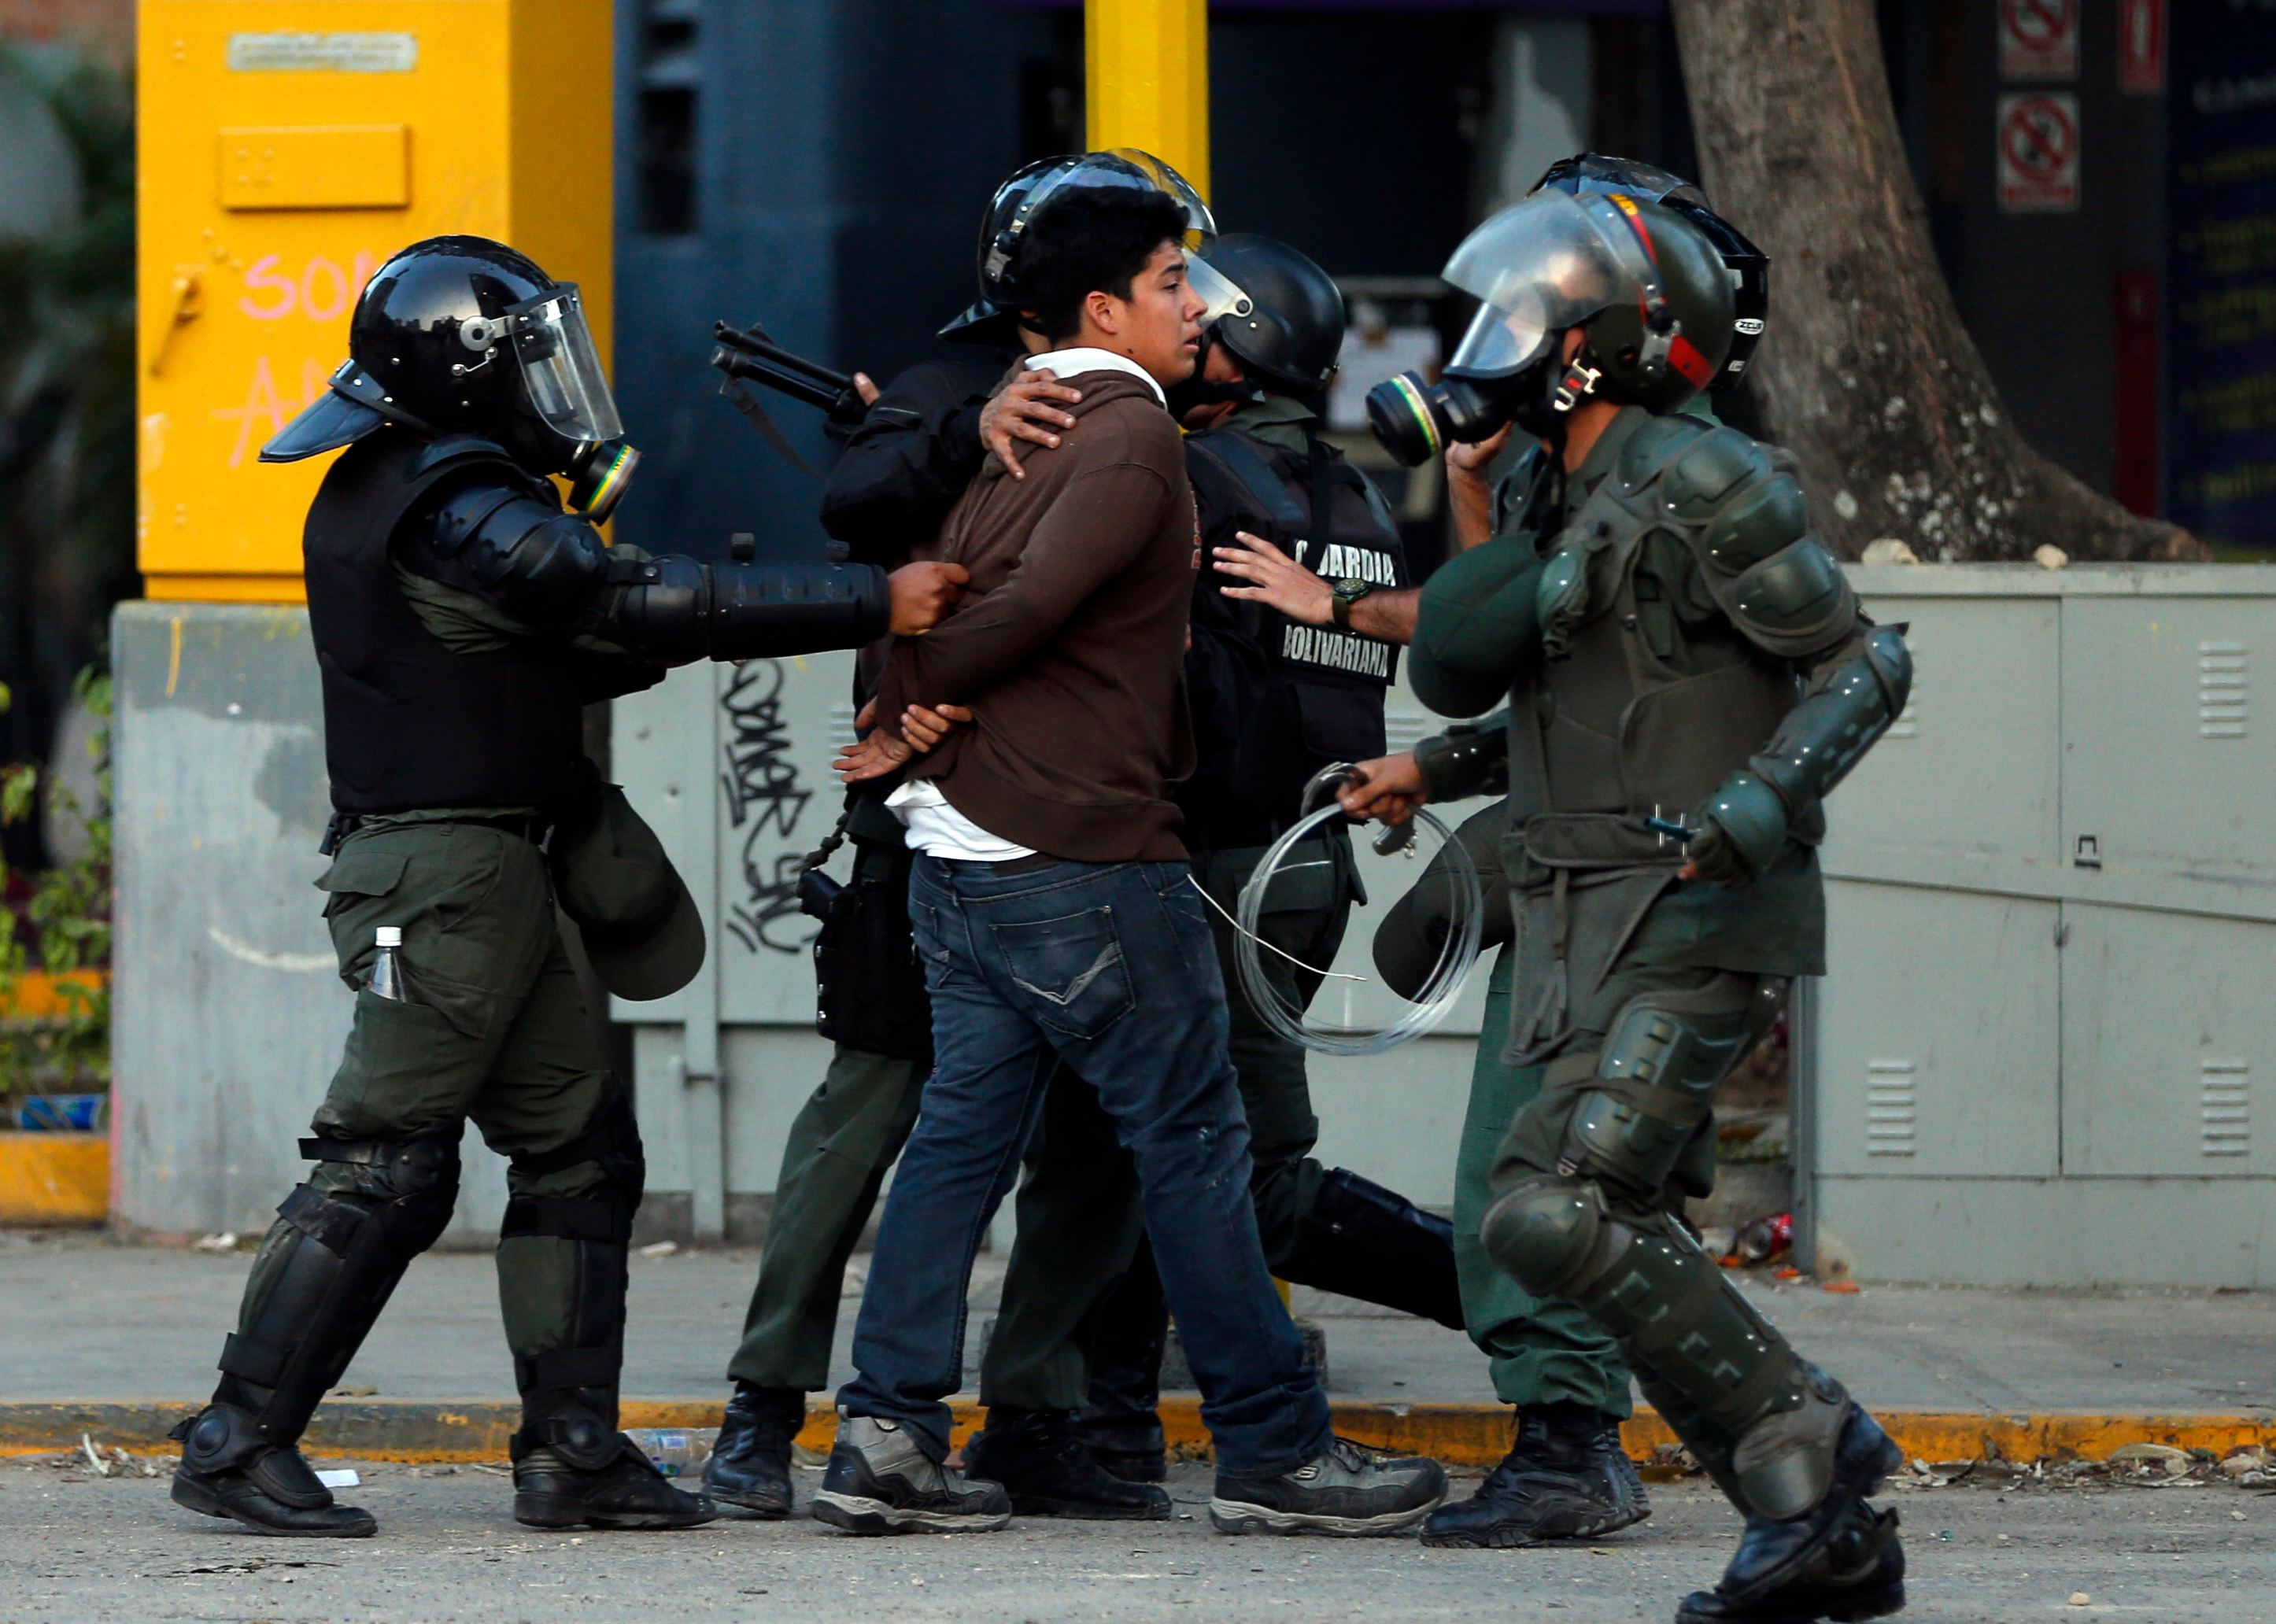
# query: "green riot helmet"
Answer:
x=1024 y=196
x=1749 y=267
x=1644 y=287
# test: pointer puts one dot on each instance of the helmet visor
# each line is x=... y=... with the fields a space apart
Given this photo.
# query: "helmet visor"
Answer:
x=562 y=366
x=1536 y=269
x=1220 y=295
x=1124 y=167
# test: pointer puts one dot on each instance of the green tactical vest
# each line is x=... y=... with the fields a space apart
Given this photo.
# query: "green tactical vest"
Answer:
x=1644 y=700
x=1647 y=699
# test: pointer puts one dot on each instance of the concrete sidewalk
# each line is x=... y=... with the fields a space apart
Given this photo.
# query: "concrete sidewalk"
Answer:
x=89 y=1322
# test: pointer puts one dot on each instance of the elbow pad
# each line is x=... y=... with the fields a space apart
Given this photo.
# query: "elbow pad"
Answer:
x=1850 y=704
x=543 y=566
x=1469 y=759
x=675 y=608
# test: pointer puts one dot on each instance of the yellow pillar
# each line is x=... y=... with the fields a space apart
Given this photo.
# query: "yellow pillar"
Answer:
x=1146 y=78
x=285 y=148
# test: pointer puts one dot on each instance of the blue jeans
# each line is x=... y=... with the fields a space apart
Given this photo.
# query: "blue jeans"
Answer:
x=1107 y=969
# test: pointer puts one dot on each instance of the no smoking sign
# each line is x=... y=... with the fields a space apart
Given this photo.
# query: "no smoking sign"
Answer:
x=2038 y=39
x=2038 y=153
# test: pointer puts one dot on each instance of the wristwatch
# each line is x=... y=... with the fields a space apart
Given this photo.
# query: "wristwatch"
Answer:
x=1348 y=590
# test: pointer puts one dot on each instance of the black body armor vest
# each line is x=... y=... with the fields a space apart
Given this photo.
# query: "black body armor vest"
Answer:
x=1275 y=701
x=408 y=723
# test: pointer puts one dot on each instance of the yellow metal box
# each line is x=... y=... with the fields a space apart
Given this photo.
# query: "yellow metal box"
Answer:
x=285 y=149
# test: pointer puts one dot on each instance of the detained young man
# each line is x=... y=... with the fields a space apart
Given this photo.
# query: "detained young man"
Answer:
x=1054 y=911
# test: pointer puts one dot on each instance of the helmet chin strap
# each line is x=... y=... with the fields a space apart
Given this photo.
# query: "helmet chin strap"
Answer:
x=1195 y=390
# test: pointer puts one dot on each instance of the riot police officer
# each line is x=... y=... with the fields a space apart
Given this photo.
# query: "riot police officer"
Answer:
x=462 y=620
x=1687 y=676
x=1276 y=696
x=1566 y=1474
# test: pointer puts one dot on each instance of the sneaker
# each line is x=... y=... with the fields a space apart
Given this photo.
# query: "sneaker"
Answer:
x=1565 y=1477
x=749 y=1468
x=1347 y=1490
x=1860 y=1576
x=625 y=1491
x=1033 y=1454
x=1772 y=1554
x=881 y=1482
x=227 y=1470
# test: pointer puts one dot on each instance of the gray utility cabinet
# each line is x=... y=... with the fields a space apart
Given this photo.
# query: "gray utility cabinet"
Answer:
x=2044 y=1051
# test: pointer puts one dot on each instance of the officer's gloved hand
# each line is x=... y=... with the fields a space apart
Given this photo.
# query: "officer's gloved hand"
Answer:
x=1742 y=826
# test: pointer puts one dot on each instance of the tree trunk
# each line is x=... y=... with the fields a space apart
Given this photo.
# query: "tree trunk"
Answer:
x=1866 y=373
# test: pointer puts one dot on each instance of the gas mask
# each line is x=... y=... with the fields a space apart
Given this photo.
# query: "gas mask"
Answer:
x=599 y=476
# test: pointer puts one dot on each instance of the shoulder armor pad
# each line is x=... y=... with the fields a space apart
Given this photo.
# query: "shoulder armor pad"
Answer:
x=1711 y=472
x=1754 y=521
x=464 y=513
x=1655 y=443
x=1795 y=602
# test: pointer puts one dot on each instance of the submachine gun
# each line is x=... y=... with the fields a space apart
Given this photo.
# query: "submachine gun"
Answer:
x=749 y=354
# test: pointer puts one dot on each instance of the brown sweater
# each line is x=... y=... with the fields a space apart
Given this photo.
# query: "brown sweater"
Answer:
x=1070 y=644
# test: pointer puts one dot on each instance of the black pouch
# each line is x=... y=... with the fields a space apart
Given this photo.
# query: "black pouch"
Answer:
x=869 y=983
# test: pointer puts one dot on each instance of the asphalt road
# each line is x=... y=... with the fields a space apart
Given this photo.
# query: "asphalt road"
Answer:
x=74 y=1547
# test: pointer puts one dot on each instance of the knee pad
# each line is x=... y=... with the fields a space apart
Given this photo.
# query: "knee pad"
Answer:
x=1656 y=1076
x=1552 y=1235
x=404 y=1190
x=612 y=1141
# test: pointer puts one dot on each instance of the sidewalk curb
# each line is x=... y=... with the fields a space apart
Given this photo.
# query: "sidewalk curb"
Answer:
x=1473 y=1435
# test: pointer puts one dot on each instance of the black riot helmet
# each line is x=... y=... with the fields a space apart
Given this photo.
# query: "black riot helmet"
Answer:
x=1289 y=338
x=1749 y=266
x=462 y=335
x=1017 y=202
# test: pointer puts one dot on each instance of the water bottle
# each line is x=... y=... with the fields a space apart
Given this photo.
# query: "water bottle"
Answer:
x=677 y=1452
x=387 y=970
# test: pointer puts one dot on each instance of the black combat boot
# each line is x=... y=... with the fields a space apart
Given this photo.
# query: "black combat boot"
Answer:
x=1035 y=1455
x=1860 y=1576
x=1565 y=1477
x=1120 y=1421
x=1774 y=1553
x=228 y=1470
x=750 y=1464
x=570 y=1472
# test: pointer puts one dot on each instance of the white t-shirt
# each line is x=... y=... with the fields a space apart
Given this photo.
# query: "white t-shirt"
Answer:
x=939 y=830
x=935 y=827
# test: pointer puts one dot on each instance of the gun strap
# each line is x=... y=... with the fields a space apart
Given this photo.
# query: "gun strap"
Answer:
x=743 y=401
x=831 y=842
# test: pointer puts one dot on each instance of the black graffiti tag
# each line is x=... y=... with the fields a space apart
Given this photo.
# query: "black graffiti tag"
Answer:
x=764 y=800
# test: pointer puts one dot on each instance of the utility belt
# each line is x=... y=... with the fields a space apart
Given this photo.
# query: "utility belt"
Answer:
x=1580 y=885
x=531 y=826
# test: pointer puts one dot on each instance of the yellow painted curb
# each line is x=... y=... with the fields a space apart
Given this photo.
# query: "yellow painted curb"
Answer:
x=1472 y=1435
x=54 y=1178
